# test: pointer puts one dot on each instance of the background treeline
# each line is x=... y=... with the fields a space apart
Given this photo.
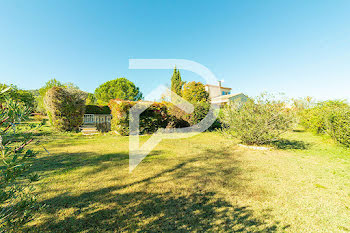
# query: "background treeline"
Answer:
x=260 y=120
x=65 y=104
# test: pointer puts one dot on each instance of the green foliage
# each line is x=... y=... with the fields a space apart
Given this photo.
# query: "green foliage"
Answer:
x=314 y=118
x=201 y=110
x=18 y=95
x=153 y=118
x=257 y=121
x=91 y=99
x=17 y=201
x=158 y=115
x=177 y=117
x=338 y=126
x=94 y=109
x=120 y=88
x=330 y=117
x=66 y=108
x=120 y=116
x=183 y=119
x=195 y=92
x=176 y=82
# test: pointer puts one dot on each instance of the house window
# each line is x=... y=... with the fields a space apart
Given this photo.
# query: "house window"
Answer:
x=223 y=93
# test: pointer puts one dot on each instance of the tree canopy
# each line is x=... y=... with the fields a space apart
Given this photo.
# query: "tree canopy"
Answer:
x=195 y=92
x=120 y=88
x=18 y=95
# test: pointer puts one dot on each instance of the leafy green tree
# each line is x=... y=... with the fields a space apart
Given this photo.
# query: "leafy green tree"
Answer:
x=120 y=88
x=91 y=99
x=18 y=95
x=194 y=92
x=17 y=201
x=176 y=82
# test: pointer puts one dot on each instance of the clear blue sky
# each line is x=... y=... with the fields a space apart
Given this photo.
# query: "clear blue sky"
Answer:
x=297 y=47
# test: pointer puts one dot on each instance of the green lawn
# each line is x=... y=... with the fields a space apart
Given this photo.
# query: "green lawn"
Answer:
x=204 y=183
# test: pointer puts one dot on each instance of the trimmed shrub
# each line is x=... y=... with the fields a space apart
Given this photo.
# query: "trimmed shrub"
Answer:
x=94 y=109
x=153 y=118
x=258 y=121
x=65 y=108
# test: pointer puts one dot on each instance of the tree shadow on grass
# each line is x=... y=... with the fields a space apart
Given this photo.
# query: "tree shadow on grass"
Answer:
x=285 y=144
x=142 y=205
x=151 y=212
x=65 y=162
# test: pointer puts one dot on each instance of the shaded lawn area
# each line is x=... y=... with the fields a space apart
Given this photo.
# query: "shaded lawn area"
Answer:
x=203 y=183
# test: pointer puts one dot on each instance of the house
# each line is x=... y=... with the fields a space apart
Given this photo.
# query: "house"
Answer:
x=215 y=91
x=222 y=95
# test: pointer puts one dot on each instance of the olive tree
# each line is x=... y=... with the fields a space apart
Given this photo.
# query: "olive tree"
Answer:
x=257 y=121
x=17 y=201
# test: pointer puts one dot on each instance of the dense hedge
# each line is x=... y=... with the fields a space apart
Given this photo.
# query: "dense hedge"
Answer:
x=158 y=115
x=65 y=108
x=338 y=126
x=314 y=118
x=95 y=109
x=153 y=118
x=328 y=117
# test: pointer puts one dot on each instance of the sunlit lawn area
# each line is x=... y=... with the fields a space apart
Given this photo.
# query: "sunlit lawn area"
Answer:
x=203 y=183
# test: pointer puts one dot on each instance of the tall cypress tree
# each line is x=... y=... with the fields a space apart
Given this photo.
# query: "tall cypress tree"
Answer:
x=176 y=82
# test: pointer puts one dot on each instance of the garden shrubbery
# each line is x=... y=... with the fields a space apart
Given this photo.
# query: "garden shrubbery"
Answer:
x=95 y=109
x=328 y=117
x=182 y=119
x=338 y=126
x=315 y=117
x=65 y=108
x=158 y=115
x=257 y=121
x=153 y=118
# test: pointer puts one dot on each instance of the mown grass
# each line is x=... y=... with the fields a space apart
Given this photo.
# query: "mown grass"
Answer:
x=203 y=183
